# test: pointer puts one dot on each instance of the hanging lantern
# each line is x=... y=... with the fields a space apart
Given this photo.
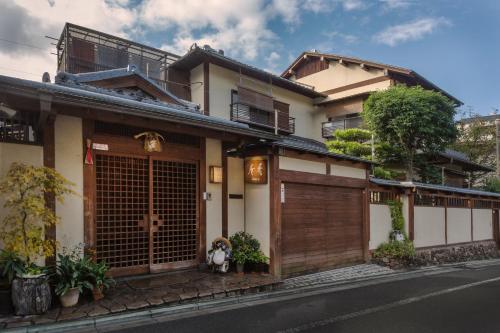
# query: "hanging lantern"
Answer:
x=152 y=141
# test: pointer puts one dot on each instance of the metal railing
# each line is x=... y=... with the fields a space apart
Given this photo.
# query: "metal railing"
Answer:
x=246 y=114
x=328 y=128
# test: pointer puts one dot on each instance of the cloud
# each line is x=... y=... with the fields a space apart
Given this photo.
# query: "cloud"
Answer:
x=396 y=4
x=348 y=38
x=350 y=5
x=272 y=62
x=410 y=31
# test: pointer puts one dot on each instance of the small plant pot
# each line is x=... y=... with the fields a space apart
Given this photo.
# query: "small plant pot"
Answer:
x=70 y=298
x=97 y=293
x=240 y=268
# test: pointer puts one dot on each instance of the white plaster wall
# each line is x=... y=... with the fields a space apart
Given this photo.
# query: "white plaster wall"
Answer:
x=459 y=225
x=429 y=226
x=382 y=85
x=214 y=206
x=10 y=153
x=345 y=171
x=380 y=225
x=406 y=213
x=235 y=185
x=295 y=164
x=257 y=211
x=338 y=75
x=307 y=117
x=482 y=224
x=197 y=95
x=69 y=162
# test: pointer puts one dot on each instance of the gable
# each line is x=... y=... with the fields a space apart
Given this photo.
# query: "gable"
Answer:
x=310 y=66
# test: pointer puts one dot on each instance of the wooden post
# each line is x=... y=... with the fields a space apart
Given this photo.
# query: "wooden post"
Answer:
x=202 y=229
x=88 y=187
x=411 y=215
x=275 y=215
x=225 y=181
x=49 y=161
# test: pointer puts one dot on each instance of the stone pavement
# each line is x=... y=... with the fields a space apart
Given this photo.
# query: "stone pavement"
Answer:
x=153 y=290
x=337 y=275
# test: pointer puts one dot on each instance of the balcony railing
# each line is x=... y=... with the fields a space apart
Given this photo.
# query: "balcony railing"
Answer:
x=328 y=128
x=245 y=114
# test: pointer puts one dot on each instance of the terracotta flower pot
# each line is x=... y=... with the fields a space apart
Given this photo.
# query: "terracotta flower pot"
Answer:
x=70 y=298
x=97 y=293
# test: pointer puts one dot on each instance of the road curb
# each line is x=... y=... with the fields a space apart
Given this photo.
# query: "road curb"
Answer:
x=164 y=311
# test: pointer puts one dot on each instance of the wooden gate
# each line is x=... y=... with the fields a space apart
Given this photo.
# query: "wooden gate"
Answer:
x=146 y=213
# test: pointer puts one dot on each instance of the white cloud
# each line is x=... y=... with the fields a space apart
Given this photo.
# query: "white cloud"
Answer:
x=396 y=4
x=410 y=31
x=272 y=62
x=353 y=4
x=288 y=10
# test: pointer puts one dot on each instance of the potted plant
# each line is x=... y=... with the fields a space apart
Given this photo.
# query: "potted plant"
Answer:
x=98 y=279
x=71 y=277
x=11 y=265
x=23 y=230
x=246 y=250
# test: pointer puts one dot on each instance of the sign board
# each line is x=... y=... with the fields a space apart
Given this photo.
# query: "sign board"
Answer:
x=282 y=193
x=256 y=171
x=100 y=146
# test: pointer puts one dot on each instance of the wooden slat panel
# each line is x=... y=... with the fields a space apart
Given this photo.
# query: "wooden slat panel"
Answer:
x=256 y=99
x=322 y=227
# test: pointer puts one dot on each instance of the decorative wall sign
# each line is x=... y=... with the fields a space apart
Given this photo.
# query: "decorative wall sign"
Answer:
x=100 y=146
x=256 y=171
x=152 y=141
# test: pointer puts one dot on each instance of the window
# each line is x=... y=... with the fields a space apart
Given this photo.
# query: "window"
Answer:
x=18 y=126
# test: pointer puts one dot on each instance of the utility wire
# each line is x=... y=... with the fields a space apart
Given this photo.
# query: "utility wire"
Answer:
x=22 y=44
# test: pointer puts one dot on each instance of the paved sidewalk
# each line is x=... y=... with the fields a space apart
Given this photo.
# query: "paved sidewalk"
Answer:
x=337 y=275
x=150 y=291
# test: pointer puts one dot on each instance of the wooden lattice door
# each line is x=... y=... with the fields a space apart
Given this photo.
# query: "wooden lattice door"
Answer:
x=146 y=213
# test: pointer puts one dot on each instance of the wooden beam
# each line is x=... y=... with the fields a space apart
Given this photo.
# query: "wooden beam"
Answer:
x=356 y=85
x=49 y=161
x=366 y=224
x=88 y=186
x=275 y=215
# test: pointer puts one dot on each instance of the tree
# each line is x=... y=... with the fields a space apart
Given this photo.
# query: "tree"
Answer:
x=24 y=188
x=351 y=141
x=411 y=119
x=476 y=139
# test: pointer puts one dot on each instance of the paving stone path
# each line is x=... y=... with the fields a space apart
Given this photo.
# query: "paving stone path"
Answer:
x=153 y=290
x=336 y=275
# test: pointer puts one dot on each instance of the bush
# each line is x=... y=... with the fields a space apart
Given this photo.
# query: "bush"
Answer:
x=353 y=134
x=72 y=272
x=492 y=184
x=351 y=148
x=246 y=249
x=397 y=250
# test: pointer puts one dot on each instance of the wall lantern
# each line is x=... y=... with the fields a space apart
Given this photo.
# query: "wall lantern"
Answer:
x=215 y=174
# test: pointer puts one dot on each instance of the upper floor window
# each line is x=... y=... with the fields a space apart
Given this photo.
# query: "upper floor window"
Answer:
x=260 y=110
x=352 y=120
x=18 y=126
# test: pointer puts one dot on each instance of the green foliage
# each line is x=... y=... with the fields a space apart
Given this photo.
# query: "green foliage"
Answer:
x=476 y=139
x=394 y=249
x=351 y=148
x=24 y=188
x=411 y=119
x=397 y=219
x=246 y=249
x=383 y=173
x=492 y=184
x=11 y=265
x=353 y=134
x=96 y=274
x=72 y=272
x=429 y=173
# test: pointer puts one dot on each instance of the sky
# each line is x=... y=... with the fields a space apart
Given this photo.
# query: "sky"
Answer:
x=453 y=43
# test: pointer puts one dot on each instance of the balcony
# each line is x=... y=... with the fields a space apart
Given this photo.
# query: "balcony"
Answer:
x=260 y=118
x=328 y=128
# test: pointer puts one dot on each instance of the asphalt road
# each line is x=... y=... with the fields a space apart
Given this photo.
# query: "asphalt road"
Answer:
x=465 y=300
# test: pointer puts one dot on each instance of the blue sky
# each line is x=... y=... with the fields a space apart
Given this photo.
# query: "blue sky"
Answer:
x=453 y=43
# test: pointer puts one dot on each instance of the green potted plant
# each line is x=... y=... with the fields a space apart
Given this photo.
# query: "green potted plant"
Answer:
x=10 y=266
x=71 y=277
x=246 y=250
x=23 y=230
x=98 y=279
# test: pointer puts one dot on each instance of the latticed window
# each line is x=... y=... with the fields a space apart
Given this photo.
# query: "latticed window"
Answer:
x=18 y=126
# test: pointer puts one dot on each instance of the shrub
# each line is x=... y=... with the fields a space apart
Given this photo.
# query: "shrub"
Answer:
x=246 y=249
x=492 y=184
x=397 y=219
x=351 y=148
x=394 y=249
x=353 y=134
x=72 y=272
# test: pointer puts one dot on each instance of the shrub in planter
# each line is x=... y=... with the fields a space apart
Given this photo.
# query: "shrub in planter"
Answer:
x=25 y=188
x=96 y=276
x=246 y=250
x=71 y=277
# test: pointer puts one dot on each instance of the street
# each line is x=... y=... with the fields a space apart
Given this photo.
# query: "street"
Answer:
x=463 y=300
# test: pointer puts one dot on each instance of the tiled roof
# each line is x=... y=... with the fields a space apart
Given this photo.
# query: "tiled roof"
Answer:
x=385 y=182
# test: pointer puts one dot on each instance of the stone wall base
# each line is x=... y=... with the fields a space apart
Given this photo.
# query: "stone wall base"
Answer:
x=456 y=253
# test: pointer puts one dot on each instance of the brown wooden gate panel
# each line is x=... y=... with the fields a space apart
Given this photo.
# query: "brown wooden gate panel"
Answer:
x=321 y=227
x=122 y=195
x=175 y=213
